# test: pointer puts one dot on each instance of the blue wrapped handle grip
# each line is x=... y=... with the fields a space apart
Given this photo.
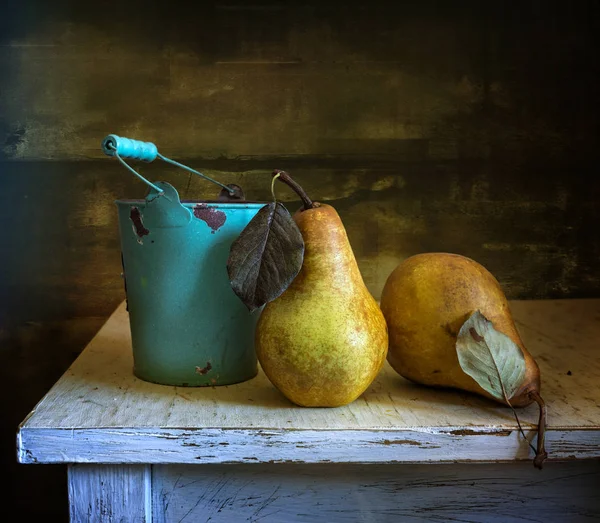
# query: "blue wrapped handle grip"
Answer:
x=128 y=148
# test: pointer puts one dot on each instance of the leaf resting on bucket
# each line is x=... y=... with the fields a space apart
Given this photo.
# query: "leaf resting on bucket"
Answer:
x=491 y=358
x=266 y=257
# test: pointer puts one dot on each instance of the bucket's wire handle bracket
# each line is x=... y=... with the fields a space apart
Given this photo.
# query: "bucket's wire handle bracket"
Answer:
x=120 y=148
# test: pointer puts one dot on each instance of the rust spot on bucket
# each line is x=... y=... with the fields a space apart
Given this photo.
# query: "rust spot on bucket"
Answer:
x=138 y=226
x=204 y=370
x=211 y=216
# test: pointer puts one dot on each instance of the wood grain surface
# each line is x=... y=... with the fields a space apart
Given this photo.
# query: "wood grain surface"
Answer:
x=110 y=493
x=99 y=412
x=475 y=493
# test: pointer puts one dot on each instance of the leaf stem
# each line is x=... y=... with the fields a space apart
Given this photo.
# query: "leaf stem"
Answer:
x=520 y=428
x=537 y=452
x=287 y=179
x=273 y=186
x=540 y=453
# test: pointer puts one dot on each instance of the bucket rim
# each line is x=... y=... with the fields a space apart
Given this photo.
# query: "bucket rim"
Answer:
x=213 y=203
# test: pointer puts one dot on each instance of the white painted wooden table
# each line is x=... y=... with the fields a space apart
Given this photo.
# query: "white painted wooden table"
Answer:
x=142 y=452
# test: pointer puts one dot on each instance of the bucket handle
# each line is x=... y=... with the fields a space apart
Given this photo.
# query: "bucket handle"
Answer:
x=120 y=148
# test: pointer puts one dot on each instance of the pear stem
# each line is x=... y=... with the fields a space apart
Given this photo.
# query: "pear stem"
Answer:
x=287 y=179
x=541 y=453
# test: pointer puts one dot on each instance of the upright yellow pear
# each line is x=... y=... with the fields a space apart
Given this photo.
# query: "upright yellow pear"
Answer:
x=324 y=340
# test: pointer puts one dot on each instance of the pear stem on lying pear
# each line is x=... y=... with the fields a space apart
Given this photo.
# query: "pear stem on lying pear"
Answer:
x=287 y=179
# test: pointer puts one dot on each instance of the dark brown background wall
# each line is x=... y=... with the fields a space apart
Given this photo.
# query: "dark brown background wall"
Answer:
x=468 y=127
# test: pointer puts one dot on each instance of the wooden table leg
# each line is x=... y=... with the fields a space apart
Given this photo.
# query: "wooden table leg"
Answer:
x=100 y=493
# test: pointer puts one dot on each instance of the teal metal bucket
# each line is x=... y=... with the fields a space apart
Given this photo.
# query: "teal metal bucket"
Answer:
x=188 y=328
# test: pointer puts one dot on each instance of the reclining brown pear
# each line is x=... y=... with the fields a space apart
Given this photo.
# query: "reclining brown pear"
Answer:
x=425 y=301
x=324 y=340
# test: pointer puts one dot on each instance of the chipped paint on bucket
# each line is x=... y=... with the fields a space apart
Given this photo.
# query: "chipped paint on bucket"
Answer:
x=188 y=328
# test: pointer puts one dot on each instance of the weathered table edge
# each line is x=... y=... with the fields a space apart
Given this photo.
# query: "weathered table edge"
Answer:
x=184 y=445
x=195 y=446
